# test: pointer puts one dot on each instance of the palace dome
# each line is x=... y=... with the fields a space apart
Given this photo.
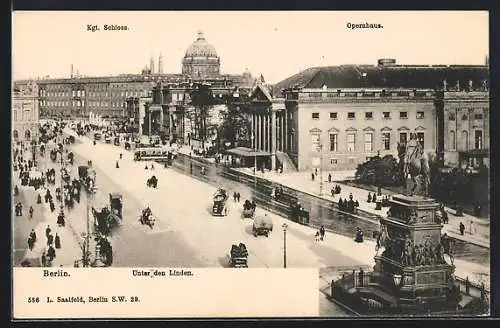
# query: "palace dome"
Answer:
x=200 y=48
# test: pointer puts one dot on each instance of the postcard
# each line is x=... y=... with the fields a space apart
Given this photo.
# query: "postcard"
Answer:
x=209 y=164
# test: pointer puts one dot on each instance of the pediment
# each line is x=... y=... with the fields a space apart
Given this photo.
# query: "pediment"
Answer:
x=403 y=128
x=420 y=128
x=315 y=131
x=369 y=129
x=334 y=130
x=386 y=128
x=351 y=129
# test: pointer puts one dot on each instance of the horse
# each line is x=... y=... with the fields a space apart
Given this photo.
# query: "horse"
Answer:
x=416 y=164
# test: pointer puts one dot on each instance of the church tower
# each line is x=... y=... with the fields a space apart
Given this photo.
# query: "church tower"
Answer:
x=152 y=65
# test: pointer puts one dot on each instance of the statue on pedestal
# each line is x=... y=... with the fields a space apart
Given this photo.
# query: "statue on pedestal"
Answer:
x=416 y=164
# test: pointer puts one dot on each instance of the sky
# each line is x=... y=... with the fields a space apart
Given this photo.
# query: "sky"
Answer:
x=275 y=44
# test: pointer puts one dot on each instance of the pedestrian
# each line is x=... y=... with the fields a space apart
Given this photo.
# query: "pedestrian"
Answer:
x=146 y=167
x=316 y=171
x=51 y=254
x=235 y=196
x=361 y=275
x=121 y=155
x=47 y=231
x=31 y=210
x=152 y=166
x=31 y=243
x=33 y=235
x=50 y=240
x=39 y=199
x=20 y=209
x=317 y=236
x=312 y=176
x=117 y=165
x=462 y=228
x=239 y=196
x=44 y=259
x=322 y=232
x=329 y=177
x=57 y=241
x=52 y=206
x=369 y=200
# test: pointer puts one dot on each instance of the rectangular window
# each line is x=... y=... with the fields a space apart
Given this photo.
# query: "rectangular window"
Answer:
x=314 y=142
x=368 y=142
x=403 y=115
x=368 y=115
x=478 y=139
x=386 y=140
x=420 y=115
x=333 y=141
x=351 y=115
x=351 y=142
x=403 y=138
x=333 y=115
x=420 y=138
x=386 y=115
x=315 y=116
x=333 y=161
x=478 y=116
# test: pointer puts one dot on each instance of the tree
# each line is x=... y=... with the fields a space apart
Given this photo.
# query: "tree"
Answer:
x=379 y=171
x=235 y=127
x=202 y=99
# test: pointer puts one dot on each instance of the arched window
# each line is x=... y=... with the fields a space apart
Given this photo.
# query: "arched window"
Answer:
x=452 y=140
x=15 y=134
x=465 y=140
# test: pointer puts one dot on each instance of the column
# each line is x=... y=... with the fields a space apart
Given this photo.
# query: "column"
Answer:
x=254 y=132
x=285 y=130
x=171 y=111
x=273 y=139
x=259 y=130
x=264 y=134
x=283 y=134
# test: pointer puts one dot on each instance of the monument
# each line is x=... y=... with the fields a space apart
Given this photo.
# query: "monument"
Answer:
x=411 y=275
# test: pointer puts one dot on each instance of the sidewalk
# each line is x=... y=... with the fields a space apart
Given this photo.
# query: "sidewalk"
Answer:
x=302 y=181
x=70 y=249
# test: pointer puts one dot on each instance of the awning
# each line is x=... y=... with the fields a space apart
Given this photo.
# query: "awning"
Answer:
x=247 y=152
x=475 y=153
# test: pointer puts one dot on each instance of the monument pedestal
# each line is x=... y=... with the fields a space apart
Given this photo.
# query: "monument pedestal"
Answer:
x=412 y=266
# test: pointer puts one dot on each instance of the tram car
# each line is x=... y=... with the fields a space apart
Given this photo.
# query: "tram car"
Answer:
x=220 y=207
x=151 y=154
x=262 y=225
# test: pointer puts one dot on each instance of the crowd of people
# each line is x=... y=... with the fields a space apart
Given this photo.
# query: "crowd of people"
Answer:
x=42 y=181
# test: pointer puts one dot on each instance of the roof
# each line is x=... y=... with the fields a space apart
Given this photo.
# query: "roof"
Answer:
x=247 y=152
x=200 y=48
x=397 y=76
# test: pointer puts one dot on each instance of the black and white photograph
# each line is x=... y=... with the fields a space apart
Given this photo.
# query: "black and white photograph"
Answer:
x=353 y=143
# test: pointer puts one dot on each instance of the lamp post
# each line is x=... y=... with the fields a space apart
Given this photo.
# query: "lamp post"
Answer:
x=320 y=147
x=62 y=183
x=284 y=226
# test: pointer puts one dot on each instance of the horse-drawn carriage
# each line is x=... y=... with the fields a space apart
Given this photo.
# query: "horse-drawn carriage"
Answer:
x=107 y=138
x=85 y=179
x=238 y=257
x=220 y=203
x=127 y=145
x=53 y=155
x=262 y=225
x=152 y=182
x=299 y=214
x=110 y=216
x=116 y=141
x=248 y=209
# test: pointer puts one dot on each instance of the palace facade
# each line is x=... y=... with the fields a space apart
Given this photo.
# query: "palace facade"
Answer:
x=78 y=96
x=25 y=111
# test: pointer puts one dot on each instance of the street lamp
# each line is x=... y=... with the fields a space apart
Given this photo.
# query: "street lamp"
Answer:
x=254 y=161
x=320 y=147
x=284 y=226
